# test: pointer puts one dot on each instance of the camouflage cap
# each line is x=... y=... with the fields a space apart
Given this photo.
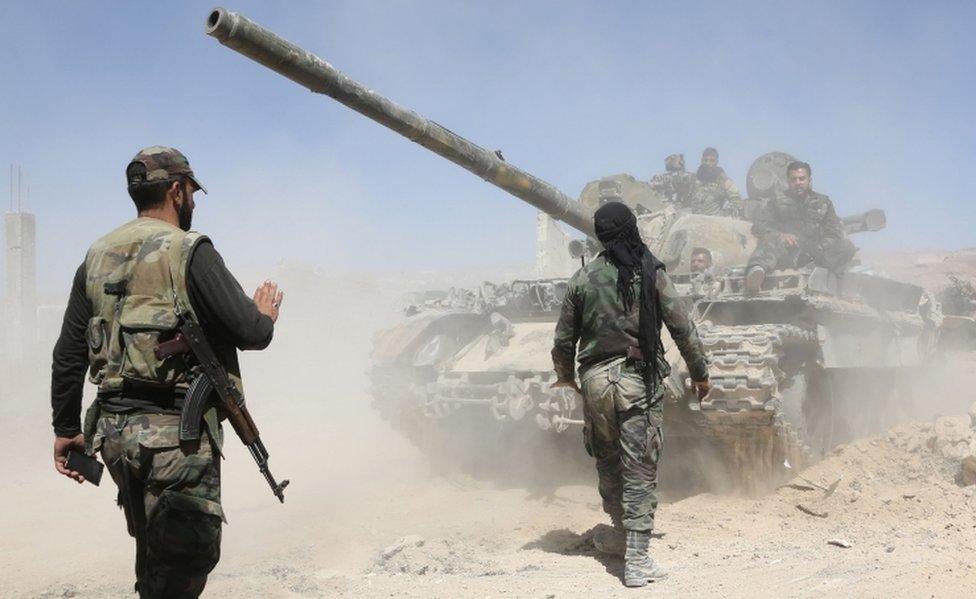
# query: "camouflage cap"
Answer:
x=164 y=164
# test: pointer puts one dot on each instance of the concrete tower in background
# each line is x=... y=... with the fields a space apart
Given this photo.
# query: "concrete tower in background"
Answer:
x=20 y=276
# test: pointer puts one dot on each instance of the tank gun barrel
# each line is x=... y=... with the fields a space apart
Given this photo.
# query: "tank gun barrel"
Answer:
x=872 y=220
x=301 y=66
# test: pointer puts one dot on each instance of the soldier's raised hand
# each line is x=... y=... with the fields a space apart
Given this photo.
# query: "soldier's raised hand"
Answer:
x=268 y=299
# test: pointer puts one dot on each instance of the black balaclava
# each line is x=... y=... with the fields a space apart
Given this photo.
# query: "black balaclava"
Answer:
x=709 y=173
x=616 y=228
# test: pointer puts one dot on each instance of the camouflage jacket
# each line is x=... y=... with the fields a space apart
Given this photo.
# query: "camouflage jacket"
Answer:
x=715 y=198
x=674 y=186
x=593 y=315
x=811 y=218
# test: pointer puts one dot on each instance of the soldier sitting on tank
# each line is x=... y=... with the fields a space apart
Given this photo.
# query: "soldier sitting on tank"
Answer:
x=703 y=279
x=712 y=191
x=796 y=227
x=701 y=260
x=675 y=183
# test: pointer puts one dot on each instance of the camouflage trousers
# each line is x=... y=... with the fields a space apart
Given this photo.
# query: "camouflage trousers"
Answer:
x=622 y=431
x=772 y=253
x=170 y=494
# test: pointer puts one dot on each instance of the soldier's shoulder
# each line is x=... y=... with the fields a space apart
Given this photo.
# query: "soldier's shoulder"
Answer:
x=593 y=272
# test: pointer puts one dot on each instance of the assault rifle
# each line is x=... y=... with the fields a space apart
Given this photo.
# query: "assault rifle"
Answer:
x=213 y=378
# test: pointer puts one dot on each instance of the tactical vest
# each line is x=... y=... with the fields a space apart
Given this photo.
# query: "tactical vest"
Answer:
x=136 y=282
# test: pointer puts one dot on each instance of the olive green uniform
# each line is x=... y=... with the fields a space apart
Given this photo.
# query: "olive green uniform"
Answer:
x=714 y=198
x=623 y=419
x=135 y=288
x=169 y=491
x=674 y=186
x=818 y=229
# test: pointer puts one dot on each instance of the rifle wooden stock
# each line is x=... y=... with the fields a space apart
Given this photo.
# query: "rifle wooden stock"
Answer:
x=175 y=346
x=192 y=339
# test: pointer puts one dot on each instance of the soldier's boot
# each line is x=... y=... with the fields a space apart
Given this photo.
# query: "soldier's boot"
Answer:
x=611 y=541
x=639 y=566
x=754 y=279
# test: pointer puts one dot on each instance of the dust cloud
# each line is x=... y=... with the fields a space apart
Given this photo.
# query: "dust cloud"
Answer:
x=372 y=511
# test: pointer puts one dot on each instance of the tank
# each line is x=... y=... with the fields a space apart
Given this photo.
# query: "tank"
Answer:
x=802 y=365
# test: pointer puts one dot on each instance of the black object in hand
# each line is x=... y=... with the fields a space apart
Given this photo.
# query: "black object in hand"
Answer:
x=86 y=466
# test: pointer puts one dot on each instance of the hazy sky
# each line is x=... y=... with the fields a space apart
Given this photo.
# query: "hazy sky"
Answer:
x=877 y=96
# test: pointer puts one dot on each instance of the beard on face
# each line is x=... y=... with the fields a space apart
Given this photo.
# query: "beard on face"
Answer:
x=708 y=173
x=185 y=213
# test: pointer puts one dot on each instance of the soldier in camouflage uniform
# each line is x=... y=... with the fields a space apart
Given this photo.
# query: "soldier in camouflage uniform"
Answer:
x=675 y=183
x=704 y=282
x=701 y=260
x=613 y=310
x=797 y=226
x=713 y=192
x=136 y=285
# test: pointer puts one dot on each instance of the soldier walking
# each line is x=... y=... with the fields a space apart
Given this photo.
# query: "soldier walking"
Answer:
x=613 y=310
x=131 y=292
x=795 y=227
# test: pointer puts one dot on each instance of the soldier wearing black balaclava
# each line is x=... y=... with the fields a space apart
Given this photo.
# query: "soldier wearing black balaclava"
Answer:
x=613 y=310
x=713 y=192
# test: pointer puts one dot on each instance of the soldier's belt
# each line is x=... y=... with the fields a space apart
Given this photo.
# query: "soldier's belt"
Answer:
x=636 y=357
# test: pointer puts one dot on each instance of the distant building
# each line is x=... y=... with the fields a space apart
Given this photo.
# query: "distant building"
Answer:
x=20 y=285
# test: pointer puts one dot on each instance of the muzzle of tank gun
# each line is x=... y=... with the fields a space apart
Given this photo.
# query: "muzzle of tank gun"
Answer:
x=872 y=220
x=220 y=23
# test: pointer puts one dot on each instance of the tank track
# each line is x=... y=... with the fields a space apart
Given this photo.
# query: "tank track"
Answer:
x=744 y=410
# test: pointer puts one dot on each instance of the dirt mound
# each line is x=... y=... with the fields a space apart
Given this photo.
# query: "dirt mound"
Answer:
x=915 y=473
x=929 y=269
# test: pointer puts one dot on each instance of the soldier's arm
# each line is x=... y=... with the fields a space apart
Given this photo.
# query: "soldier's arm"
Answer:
x=223 y=308
x=70 y=361
x=662 y=184
x=765 y=222
x=734 y=197
x=832 y=228
x=675 y=315
x=657 y=183
x=567 y=335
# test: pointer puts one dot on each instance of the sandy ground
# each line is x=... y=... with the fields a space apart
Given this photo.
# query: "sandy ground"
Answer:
x=368 y=515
